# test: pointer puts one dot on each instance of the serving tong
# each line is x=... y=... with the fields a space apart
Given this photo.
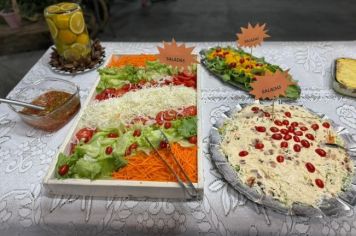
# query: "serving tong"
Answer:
x=22 y=104
x=187 y=187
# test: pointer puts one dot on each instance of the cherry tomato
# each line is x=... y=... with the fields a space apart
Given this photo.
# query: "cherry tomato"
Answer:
x=128 y=152
x=303 y=128
x=288 y=114
x=260 y=128
x=133 y=146
x=298 y=133
x=163 y=144
x=296 y=139
x=137 y=133
x=294 y=124
x=108 y=150
x=274 y=129
x=284 y=144
x=326 y=125
x=315 y=126
x=85 y=134
x=309 y=136
x=320 y=152
x=280 y=158
x=63 y=170
x=255 y=109
x=167 y=125
x=297 y=147
x=285 y=122
x=284 y=131
x=305 y=143
x=287 y=137
x=193 y=139
x=259 y=145
x=113 y=135
x=310 y=167
x=277 y=136
x=267 y=114
x=278 y=122
x=291 y=129
x=319 y=183
x=243 y=153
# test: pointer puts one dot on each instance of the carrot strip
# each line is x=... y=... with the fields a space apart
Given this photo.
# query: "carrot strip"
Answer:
x=135 y=60
x=150 y=168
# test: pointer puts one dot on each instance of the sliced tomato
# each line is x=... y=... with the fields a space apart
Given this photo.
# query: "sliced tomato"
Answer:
x=190 y=83
x=141 y=120
x=159 y=118
x=107 y=93
x=126 y=87
x=85 y=134
x=169 y=115
x=190 y=111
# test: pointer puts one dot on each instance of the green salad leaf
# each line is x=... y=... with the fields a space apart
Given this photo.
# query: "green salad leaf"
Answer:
x=116 y=77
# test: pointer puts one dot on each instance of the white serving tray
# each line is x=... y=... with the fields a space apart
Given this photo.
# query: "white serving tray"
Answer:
x=121 y=188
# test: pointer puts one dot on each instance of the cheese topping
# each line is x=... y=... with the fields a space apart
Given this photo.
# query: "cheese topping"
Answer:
x=292 y=164
x=144 y=103
x=346 y=72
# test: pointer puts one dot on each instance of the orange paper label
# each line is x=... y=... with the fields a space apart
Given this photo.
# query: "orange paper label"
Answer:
x=252 y=36
x=271 y=86
x=176 y=56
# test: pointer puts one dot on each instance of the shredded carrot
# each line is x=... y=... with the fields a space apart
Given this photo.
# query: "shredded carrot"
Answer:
x=150 y=168
x=135 y=60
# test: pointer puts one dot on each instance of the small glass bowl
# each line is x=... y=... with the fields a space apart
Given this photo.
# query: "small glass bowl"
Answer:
x=58 y=117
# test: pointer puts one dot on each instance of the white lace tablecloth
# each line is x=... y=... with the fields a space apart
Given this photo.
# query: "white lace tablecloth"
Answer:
x=26 y=153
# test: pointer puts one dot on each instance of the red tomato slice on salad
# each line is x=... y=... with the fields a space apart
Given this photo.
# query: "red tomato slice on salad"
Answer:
x=85 y=134
x=190 y=111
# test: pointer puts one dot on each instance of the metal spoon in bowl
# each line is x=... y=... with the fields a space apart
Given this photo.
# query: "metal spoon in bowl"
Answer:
x=22 y=104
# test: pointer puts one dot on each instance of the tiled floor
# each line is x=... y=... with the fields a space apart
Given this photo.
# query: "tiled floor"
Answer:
x=209 y=20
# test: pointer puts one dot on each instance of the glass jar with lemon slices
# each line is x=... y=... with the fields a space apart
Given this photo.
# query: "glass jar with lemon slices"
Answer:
x=68 y=30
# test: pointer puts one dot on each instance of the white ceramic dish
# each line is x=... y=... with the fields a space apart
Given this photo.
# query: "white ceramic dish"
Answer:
x=121 y=188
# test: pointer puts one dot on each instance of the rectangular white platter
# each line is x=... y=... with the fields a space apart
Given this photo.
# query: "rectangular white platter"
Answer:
x=121 y=188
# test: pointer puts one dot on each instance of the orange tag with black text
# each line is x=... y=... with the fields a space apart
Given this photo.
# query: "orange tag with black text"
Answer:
x=271 y=86
x=252 y=36
x=176 y=55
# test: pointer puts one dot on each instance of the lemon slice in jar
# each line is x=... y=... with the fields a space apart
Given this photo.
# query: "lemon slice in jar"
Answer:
x=81 y=49
x=52 y=28
x=53 y=9
x=68 y=6
x=76 y=23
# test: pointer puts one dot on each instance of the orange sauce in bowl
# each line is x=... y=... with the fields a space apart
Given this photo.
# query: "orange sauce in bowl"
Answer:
x=60 y=107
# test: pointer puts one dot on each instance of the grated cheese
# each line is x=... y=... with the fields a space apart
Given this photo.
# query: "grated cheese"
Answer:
x=145 y=102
